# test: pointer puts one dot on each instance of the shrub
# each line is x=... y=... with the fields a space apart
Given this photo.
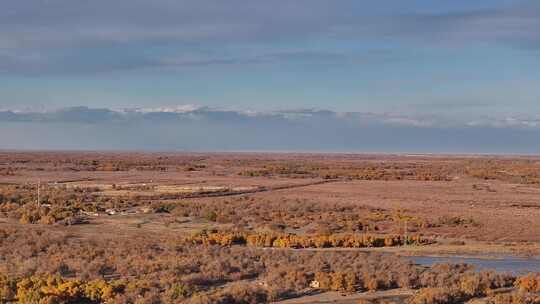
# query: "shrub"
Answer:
x=211 y=216
x=8 y=288
x=529 y=283
x=178 y=291
x=437 y=296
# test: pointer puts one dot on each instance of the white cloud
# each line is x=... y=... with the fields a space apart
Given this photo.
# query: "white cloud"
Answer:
x=186 y=112
x=172 y=109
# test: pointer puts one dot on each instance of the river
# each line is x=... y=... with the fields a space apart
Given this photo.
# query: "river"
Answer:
x=512 y=265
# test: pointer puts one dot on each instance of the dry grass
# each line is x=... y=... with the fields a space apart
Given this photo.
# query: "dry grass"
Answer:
x=141 y=207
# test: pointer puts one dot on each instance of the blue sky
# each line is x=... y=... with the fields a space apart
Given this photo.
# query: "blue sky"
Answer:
x=445 y=64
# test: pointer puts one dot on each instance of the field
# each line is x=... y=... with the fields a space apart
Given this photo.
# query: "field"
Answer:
x=92 y=227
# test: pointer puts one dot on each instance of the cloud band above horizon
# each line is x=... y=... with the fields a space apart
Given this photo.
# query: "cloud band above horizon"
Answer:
x=205 y=129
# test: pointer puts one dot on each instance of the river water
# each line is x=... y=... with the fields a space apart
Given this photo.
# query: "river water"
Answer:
x=512 y=265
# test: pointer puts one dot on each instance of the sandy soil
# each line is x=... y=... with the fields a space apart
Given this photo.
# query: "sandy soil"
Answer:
x=396 y=295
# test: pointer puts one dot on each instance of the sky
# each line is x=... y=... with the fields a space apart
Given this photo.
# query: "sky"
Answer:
x=290 y=75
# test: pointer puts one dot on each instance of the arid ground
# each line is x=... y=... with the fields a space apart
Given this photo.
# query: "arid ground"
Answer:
x=258 y=227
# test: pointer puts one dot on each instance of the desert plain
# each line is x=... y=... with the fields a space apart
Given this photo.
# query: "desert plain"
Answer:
x=123 y=227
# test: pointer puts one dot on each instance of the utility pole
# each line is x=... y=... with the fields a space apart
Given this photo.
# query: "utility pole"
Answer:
x=38 y=193
x=406 y=238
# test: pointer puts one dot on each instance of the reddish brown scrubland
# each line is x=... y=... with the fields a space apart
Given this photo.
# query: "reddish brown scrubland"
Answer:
x=89 y=227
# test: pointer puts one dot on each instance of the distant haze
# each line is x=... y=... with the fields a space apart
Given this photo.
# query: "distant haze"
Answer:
x=204 y=129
